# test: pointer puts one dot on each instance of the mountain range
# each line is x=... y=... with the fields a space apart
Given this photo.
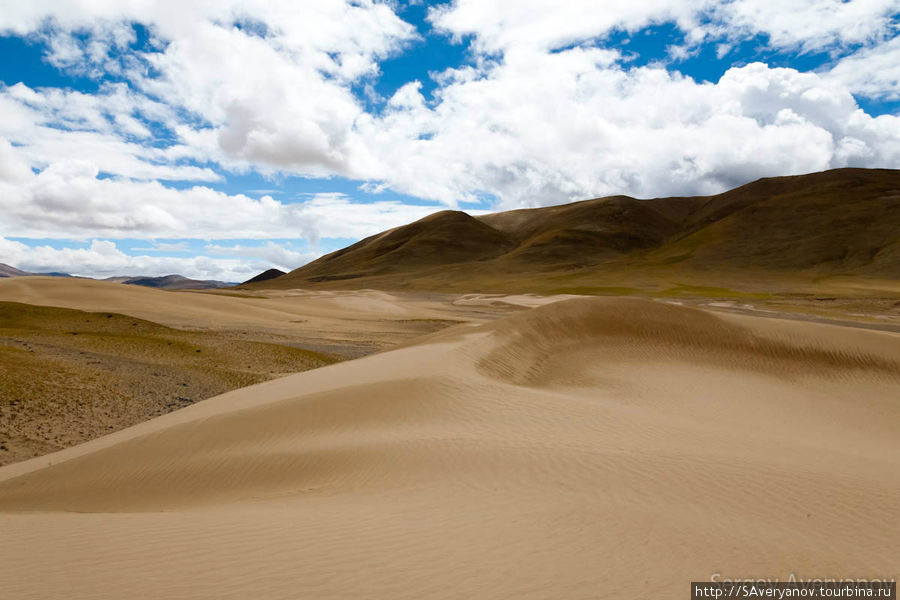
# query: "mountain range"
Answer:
x=166 y=282
x=171 y=282
x=9 y=271
x=842 y=222
x=774 y=233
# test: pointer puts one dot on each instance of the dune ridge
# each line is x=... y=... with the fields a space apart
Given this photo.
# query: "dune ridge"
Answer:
x=374 y=318
x=71 y=374
x=494 y=461
x=530 y=339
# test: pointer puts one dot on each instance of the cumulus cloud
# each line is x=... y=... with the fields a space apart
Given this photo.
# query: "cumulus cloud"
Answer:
x=548 y=114
x=871 y=72
x=262 y=84
x=69 y=200
x=102 y=258
x=543 y=112
x=592 y=126
x=273 y=255
x=546 y=24
x=809 y=25
x=108 y=128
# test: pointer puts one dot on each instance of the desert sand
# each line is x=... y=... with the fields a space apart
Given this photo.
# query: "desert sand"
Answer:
x=364 y=319
x=83 y=358
x=587 y=448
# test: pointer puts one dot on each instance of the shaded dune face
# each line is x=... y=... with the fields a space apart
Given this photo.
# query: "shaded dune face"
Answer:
x=532 y=347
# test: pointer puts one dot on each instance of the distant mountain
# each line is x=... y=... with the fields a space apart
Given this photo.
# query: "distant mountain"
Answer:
x=171 y=282
x=833 y=223
x=265 y=276
x=444 y=237
x=168 y=282
x=8 y=271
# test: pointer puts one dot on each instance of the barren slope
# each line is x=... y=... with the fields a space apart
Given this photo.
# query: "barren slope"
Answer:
x=70 y=376
x=81 y=358
x=789 y=231
x=8 y=271
x=267 y=274
x=445 y=237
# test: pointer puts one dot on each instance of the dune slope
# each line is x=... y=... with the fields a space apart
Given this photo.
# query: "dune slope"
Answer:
x=335 y=320
x=592 y=448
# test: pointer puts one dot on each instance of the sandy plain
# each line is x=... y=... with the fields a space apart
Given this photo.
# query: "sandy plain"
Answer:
x=583 y=448
x=83 y=358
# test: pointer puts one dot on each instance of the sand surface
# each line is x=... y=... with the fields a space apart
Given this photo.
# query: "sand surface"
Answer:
x=350 y=323
x=589 y=448
x=82 y=358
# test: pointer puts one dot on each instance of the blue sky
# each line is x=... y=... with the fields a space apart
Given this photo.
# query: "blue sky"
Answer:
x=220 y=140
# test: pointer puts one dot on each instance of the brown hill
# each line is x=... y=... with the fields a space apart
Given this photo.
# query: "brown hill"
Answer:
x=774 y=231
x=171 y=282
x=8 y=271
x=590 y=230
x=445 y=237
x=266 y=275
x=844 y=221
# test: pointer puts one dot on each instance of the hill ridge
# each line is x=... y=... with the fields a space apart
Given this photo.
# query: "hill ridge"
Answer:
x=831 y=223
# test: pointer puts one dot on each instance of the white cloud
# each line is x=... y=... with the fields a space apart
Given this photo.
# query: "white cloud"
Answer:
x=52 y=125
x=591 y=127
x=809 y=25
x=273 y=255
x=14 y=169
x=537 y=121
x=104 y=259
x=266 y=83
x=546 y=24
x=268 y=86
x=872 y=72
x=69 y=200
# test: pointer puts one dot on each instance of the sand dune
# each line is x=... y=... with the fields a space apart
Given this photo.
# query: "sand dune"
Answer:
x=70 y=377
x=591 y=448
x=369 y=319
x=202 y=309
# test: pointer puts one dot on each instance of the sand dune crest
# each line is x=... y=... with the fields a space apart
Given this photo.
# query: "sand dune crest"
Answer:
x=626 y=327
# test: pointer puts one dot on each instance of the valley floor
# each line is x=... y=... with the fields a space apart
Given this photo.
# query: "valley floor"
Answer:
x=588 y=448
